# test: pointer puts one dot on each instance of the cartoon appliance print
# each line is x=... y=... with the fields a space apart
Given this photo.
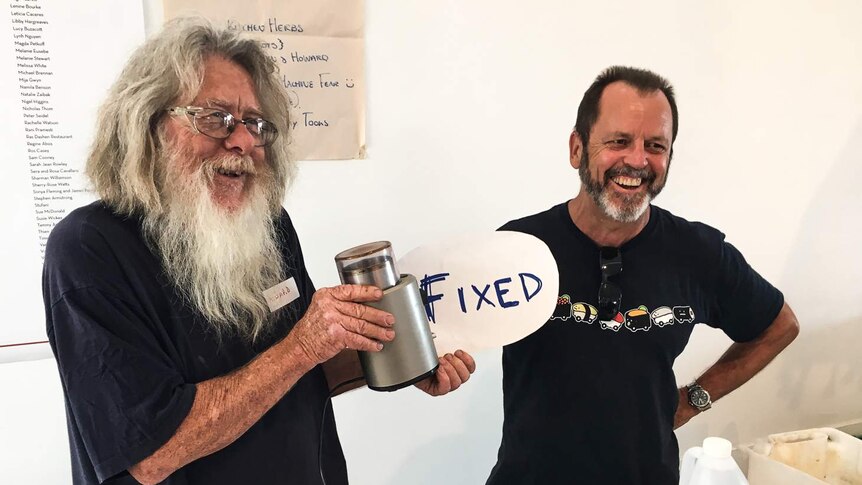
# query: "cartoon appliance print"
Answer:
x=638 y=319
x=614 y=324
x=563 y=311
x=662 y=316
x=584 y=312
x=683 y=314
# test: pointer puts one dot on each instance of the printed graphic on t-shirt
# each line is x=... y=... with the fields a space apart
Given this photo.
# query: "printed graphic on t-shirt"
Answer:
x=614 y=324
x=636 y=320
x=662 y=316
x=584 y=312
x=563 y=311
x=683 y=314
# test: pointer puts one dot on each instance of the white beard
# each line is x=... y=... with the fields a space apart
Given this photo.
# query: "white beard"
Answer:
x=627 y=212
x=220 y=261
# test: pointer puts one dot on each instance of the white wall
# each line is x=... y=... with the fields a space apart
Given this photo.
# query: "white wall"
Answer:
x=469 y=108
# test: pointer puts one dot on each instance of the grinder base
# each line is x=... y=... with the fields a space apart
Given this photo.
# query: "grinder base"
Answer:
x=405 y=384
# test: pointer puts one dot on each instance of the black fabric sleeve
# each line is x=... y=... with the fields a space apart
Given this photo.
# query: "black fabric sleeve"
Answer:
x=124 y=395
x=745 y=303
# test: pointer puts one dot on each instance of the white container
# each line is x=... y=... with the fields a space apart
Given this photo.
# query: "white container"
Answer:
x=710 y=464
x=807 y=457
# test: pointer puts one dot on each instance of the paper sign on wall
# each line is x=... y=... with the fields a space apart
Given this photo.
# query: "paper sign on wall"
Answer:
x=59 y=58
x=319 y=50
x=485 y=290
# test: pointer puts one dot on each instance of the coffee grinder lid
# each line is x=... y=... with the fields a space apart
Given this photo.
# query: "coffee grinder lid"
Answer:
x=368 y=264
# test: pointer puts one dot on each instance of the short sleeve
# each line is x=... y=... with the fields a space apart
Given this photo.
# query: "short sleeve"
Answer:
x=124 y=396
x=745 y=303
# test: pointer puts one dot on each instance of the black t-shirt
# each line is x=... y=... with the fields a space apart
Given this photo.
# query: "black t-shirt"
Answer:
x=589 y=402
x=130 y=350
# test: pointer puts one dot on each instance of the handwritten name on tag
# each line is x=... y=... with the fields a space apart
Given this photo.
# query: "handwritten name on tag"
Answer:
x=281 y=294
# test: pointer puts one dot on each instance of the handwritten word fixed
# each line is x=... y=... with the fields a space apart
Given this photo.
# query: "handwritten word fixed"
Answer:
x=482 y=295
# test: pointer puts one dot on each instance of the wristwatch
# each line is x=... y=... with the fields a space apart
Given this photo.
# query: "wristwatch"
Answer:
x=698 y=397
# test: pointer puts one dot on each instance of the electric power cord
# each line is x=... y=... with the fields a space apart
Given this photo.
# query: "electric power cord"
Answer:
x=323 y=420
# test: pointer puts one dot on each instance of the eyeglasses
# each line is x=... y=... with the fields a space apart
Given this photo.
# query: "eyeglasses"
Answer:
x=610 y=295
x=218 y=124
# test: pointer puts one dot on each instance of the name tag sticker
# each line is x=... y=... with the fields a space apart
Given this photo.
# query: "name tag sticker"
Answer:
x=281 y=294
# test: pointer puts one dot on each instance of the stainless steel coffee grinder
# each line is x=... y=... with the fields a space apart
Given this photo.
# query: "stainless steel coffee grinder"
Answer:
x=411 y=356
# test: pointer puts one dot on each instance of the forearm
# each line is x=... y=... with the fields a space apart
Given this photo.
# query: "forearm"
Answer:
x=742 y=361
x=226 y=407
x=739 y=363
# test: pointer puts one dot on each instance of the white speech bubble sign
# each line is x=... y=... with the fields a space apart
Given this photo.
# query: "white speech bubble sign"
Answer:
x=484 y=290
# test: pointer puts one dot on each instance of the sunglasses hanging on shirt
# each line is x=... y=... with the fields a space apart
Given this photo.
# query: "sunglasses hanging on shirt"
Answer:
x=610 y=295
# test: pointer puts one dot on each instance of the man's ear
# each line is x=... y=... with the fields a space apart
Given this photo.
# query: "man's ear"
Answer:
x=576 y=148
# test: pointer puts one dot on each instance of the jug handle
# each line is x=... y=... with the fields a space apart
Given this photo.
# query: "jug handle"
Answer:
x=689 y=460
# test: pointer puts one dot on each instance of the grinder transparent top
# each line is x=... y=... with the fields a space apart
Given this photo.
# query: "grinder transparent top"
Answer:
x=368 y=264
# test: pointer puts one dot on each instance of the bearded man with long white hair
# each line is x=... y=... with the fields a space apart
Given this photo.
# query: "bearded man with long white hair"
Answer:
x=175 y=367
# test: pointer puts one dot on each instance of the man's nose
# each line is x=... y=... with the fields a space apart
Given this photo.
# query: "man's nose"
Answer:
x=637 y=155
x=240 y=141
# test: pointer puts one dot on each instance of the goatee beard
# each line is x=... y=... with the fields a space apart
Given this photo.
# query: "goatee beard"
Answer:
x=221 y=262
x=620 y=208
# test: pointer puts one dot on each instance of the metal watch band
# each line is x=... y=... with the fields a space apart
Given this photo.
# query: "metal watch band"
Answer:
x=693 y=388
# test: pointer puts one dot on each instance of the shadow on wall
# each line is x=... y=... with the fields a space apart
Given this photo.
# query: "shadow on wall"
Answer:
x=817 y=381
x=822 y=376
x=453 y=458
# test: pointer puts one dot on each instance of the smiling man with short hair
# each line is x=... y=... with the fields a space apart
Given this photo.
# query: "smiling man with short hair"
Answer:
x=591 y=397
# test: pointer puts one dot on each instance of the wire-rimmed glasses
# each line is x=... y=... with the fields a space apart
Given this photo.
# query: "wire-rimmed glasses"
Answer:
x=219 y=124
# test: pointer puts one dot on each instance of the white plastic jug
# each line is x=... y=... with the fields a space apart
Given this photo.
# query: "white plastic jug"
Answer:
x=710 y=465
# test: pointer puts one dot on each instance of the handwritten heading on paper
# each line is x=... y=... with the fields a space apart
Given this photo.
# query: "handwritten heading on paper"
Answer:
x=319 y=52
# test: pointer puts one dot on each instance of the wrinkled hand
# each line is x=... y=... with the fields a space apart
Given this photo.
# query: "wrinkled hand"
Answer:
x=453 y=371
x=684 y=410
x=337 y=320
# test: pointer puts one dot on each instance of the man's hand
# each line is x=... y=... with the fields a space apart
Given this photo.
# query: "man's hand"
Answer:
x=337 y=320
x=453 y=371
x=225 y=407
x=684 y=411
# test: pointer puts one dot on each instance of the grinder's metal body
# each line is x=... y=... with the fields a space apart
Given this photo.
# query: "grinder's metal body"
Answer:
x=411 y=356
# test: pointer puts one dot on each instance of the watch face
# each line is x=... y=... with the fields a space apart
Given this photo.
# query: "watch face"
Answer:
x=699 y=397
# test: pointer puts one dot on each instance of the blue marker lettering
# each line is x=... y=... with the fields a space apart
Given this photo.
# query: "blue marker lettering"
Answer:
x=425 y=283
x=524 y=284
x=482 y=296
x=503 y=291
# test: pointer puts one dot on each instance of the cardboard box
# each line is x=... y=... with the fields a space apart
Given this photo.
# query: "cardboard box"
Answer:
x=808 y=457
